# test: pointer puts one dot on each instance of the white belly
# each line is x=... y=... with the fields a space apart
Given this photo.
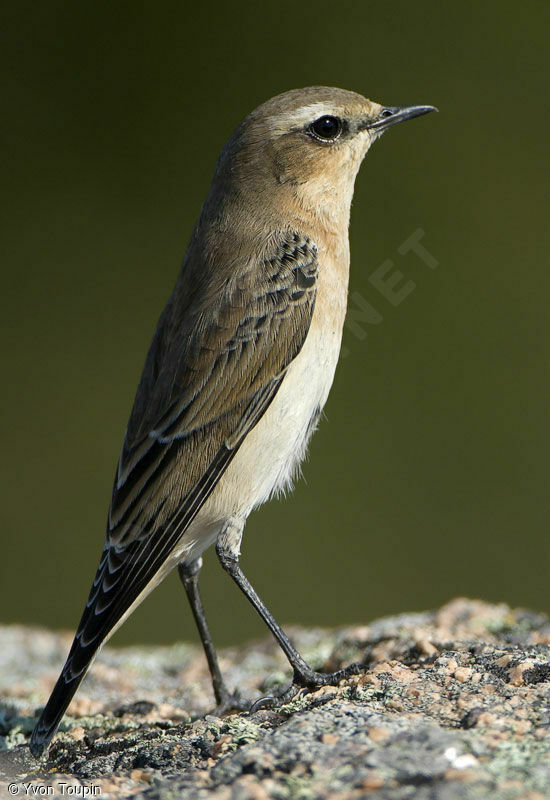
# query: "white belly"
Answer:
x=271 y=454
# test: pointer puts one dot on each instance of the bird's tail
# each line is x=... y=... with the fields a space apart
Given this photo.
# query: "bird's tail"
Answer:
x=115 y=592
x=62 y=694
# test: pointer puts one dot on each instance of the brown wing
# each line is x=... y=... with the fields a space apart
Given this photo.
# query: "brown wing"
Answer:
x=209 y=376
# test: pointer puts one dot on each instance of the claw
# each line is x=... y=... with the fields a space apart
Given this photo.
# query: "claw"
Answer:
x=263 y=702
x=275 y=701
x=304 y=681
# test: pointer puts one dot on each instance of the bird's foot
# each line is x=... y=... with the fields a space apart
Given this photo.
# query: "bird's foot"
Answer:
x=230 y=701
x=304 y=679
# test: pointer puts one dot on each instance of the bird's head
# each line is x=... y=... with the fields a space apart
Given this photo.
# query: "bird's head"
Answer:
x=308 y=144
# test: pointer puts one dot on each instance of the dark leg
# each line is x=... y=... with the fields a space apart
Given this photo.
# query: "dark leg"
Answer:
x=189 y=574
x=304 y=676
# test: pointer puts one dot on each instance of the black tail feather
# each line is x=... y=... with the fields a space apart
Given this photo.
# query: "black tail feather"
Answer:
x=55 y=708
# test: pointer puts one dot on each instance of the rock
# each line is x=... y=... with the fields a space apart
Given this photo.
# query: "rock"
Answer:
x=450 y=704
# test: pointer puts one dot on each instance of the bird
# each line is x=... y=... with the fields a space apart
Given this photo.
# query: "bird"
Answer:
x=237 y=373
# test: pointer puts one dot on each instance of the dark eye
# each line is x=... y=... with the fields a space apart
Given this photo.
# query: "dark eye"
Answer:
x=326 y=128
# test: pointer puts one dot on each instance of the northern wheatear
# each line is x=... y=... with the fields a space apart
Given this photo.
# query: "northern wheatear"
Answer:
x=239 y=368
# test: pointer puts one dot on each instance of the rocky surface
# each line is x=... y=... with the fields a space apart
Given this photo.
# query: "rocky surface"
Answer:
x=450 y=704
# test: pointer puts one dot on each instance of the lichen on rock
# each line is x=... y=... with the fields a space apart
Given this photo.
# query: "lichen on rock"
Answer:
x=450 y=704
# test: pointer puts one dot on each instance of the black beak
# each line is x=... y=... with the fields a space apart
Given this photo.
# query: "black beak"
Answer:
x=391 y=115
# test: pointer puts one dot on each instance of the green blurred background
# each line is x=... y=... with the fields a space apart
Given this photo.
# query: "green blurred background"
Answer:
x=429 y=479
